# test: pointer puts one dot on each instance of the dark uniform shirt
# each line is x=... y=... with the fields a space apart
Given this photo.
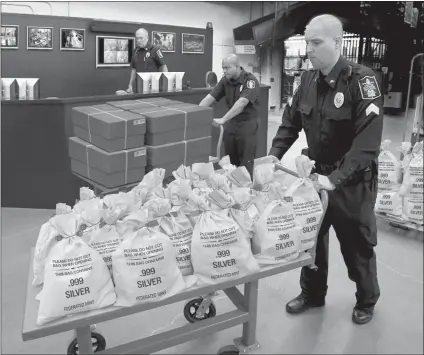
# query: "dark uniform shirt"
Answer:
x=342 y=116
x=148 y=59
x=247 y=86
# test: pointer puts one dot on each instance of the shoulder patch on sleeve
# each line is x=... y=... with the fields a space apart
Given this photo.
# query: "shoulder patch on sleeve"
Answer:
x=159 y=53
x=250 y=84
x=369 y=88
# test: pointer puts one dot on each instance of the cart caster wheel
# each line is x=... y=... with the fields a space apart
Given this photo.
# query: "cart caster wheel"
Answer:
x=98 y=341
x=229 y=350
x=191 y=308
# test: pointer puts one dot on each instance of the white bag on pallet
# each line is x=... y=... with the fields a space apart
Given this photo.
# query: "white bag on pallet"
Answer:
x=389 y=169
x=413 y=185
x=76 y=278
x=307 y=208
x=413 y=210
x=389 y=202
x=86 y=194
x=145 y=268
x=277 y=238
x=220 y=250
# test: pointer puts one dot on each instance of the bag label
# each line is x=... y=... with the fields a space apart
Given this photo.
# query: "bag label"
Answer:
x=309 y=213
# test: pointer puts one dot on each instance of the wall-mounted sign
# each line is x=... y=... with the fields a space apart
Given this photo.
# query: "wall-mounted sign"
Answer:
x=245 y=49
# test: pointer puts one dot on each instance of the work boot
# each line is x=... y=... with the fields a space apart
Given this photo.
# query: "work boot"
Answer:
x=361 y=316
x=301 y=304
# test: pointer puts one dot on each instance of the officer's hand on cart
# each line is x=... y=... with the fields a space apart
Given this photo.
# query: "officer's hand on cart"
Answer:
x=322 y=182
x=218 y=122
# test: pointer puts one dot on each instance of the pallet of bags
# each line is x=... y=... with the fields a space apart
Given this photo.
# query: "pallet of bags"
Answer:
x=412 y=189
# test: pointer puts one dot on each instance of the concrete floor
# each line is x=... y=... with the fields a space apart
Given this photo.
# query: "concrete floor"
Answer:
x=397 y=326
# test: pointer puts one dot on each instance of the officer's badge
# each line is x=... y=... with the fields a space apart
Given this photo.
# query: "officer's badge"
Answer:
x=241 y=88
x=159 y=53
x=251 y=84
x=147 y=54
x=369 y=87
x=338 y=100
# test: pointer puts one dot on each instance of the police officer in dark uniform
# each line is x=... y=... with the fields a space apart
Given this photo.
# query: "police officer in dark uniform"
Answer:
x=340 y=107
x=241 y=122
x=146 y=57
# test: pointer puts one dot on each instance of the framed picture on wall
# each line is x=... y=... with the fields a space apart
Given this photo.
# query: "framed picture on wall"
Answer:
x=114 y=51
x=9 y=37
x=72 y=39
x=39 y=37
x=164 y=40
x=194 y=44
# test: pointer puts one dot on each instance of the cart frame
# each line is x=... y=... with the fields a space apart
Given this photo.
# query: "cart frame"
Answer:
x=246 y=312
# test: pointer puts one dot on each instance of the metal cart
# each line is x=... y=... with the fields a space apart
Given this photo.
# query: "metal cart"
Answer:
x=199 y=326
x=416 y=136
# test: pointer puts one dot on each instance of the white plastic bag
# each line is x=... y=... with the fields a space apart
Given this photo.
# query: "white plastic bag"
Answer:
x=200 y=172
x=180 y=190
x=406 y=149
x=183 y=173
x=239 y=178
x=413 y=210
x=308 y=210
x=389 y=202
x=413 y=186
x=263 y=173
x=86 y=194
x=220 y=250
x=389 y=169
x=145 y=268
x=76 y=278
x=278 y=237
x=151 y=184
x=178 y=228
x=63 y=208
x=90 y=215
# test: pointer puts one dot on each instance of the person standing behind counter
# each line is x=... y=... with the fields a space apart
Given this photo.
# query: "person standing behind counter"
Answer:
x=146 y=58
x=241 y=90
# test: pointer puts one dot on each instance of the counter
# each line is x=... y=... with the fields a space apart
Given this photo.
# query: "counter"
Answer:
x=36 y=170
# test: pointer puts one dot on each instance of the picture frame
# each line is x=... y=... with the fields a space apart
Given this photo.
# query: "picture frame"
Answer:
x=166 y=41
x=192 y=43
x=114 y=51
x=9 y=37
x=72 y=39
x=39 y=38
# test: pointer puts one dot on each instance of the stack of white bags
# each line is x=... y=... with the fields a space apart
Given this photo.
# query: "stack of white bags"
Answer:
x=153 y=242
x=400 y=184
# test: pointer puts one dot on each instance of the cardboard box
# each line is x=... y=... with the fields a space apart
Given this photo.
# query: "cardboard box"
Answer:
x=108 y=169
x=170 y=167
x=111 y=130
x=178 y=152
x=128 y=104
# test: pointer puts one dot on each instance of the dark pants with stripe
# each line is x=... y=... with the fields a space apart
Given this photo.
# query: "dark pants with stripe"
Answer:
x=240 y=142
x=351 y=213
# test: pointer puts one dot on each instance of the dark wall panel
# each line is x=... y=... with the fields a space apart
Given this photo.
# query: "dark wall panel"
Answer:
x=74 y=73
